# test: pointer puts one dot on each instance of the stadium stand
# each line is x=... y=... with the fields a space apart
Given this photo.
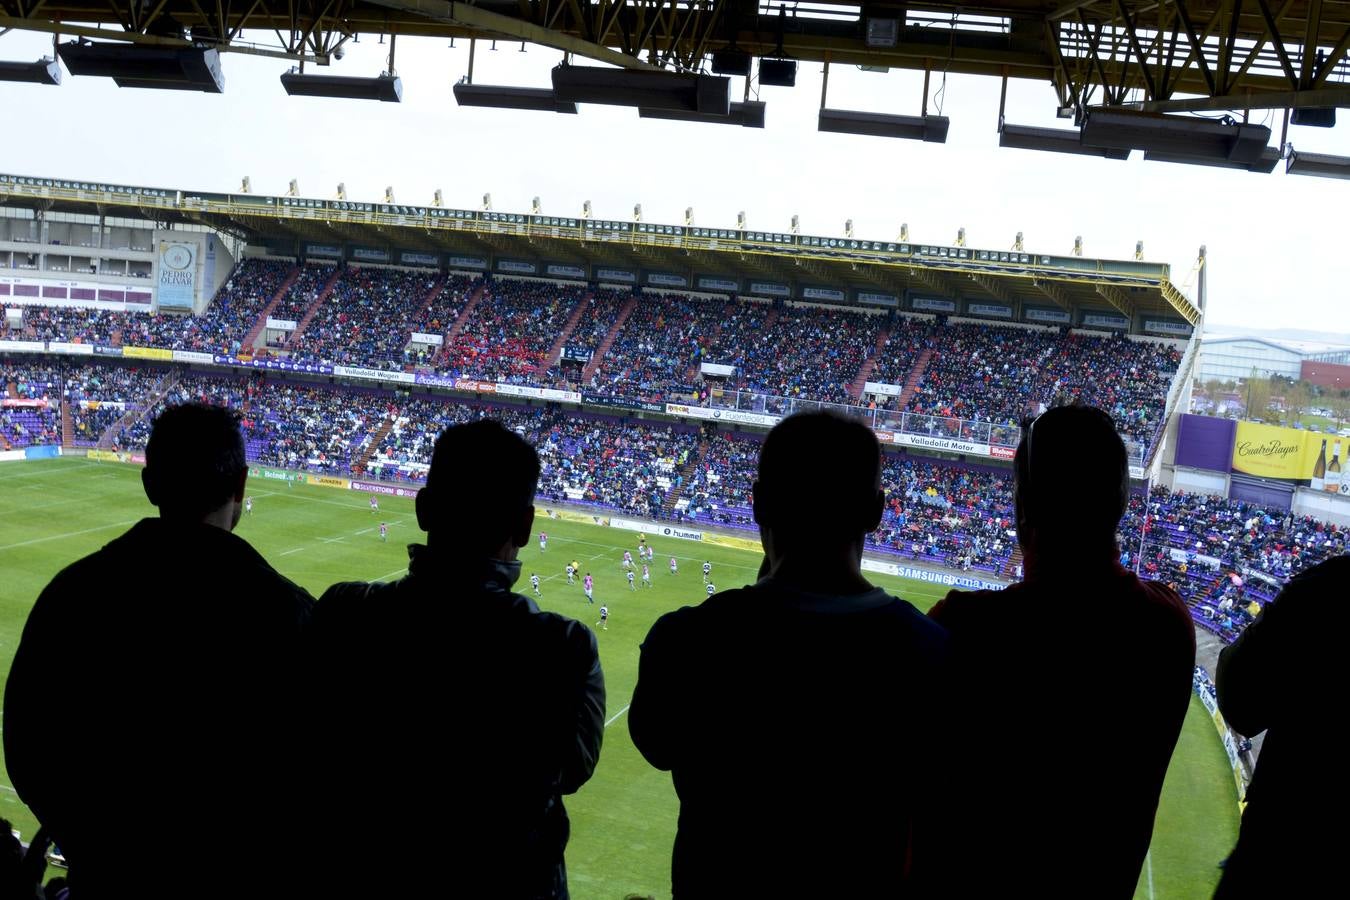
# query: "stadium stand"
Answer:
x=238 y=304
x=302 y=293
x=364 y=320
x=511 y=330
x=596 y=321
x=803 y=352
x=662 y=343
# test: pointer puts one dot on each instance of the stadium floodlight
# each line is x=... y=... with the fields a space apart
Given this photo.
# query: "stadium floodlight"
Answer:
x=294 y=189
x=777 y=73
x=740 y=220
x=689 y=215
x=246 y=186
x=1176 y=138
x=643 y=88
x=1053 y=140
x=385 y=87
x=536 y=208
x=1078 y=246
x=437 y=199
x=932 y=129
x=487 y=203
x=135 y=65
x=44 y=71
x=1269 y=158
x=848 y=228
x=342 y=191
x=497 y=96
x=749 y=114
x=904 y=232
x=389 y=195
x=1017 y=242
x=960 y=237
x=586 y=210
x=1139 y=250
x=1321 y=165
x=796 y=224
x=637 y=212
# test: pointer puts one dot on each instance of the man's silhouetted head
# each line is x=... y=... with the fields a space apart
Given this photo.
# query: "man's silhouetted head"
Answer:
x=1072 y=480
x=819 y=481
x=480 y=489
x=194 y=464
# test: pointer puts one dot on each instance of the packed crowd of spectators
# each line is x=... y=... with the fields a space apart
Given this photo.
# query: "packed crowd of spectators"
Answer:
x=1000 y=374
x=308 y=285
x=405 y=452
x=364 y=319
x=806 y=353
x=237 y=305
x=439 y=316
x=511 y=330
x=665 y=338
x=601 y=311
x=30 y=426
x=719 y=491
x=99 y=396
x=908 y=339
x=622 y=466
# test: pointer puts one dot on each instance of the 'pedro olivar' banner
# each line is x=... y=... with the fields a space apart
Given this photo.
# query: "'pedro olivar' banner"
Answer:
x=1272 y=451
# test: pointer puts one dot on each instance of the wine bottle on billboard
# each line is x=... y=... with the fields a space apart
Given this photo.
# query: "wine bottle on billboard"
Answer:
x=1319 y=475
x=1334 y=476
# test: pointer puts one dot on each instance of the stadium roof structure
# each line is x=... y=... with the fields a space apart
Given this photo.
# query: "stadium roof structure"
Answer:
x=1158 y=56
x=831 y=269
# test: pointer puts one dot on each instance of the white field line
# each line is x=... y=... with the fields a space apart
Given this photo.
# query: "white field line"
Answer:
x=1148 y=864
x=614 y=718
x=19 y=476
x=339 y=539
x=665 y=557
x=68 y=534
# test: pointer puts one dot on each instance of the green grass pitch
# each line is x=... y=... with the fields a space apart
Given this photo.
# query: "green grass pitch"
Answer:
x=53 y=512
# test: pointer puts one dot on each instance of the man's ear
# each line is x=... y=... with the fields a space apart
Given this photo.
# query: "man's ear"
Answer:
x=148 y=482
x=423 y=503
x=524 y=526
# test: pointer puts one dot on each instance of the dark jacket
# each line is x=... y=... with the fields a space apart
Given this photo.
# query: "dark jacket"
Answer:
x=1063 y=677
x=457 y=714
x=148 y=710
x=1282 y=677
x=792 y=728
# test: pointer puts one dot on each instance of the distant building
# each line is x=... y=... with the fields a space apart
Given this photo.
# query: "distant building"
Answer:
x=1236 y=358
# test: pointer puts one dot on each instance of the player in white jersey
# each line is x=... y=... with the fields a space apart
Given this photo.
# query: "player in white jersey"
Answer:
x=588 y=585
x=707 y=570
x=543 y=541
x=631 y=586
x=534 y=583
x=604 y=619
x=248 y=505
x=627 y=560
x=571 y=574
x=674 y=566
x=646 y=576
x=712 y=589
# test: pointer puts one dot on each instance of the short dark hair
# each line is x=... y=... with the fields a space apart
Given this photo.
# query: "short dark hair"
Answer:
x=194 y=459
x=819 y=473
x=482 y=474
x=1073 y=474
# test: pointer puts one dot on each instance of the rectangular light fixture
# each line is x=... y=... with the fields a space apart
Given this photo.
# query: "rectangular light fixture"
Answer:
x=131 y=65
x=778 y=73
x=1317 y=117
x=731 y=62
x=384 y=87
x=643 y=88
x=1175 y=136
x=932 y=129
x=505 y=97
x=1270 y=157
x=748 y=115
x=1321 y=165
x=44 y=71
x=882 y=32
x=1053 y=140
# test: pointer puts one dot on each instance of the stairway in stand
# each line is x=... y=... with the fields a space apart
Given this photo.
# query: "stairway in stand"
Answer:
x=687 y=474
x=555 y=352
x=1009 y=569
x=313 y=308
x=254 y=333
x=67 y=425
x=134 y=415
x=478 y=294
x=608 y=342
x=855 y=390
x=915 y=376
x=696 y=370
x=359 y=467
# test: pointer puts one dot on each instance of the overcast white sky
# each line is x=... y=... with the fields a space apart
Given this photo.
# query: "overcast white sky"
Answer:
x=1274 y=256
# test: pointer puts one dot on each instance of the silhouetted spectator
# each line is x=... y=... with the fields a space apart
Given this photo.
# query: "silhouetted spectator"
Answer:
x=781 y=709
x=463 y=711
x=1079 y=653
x=161 y=669
x=1278 y=678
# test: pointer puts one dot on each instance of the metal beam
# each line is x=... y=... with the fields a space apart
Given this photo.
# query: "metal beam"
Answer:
x=1054 y=292
x=1116 y=297
x=150 y=40
x=451 y=12
x=1310 y=99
